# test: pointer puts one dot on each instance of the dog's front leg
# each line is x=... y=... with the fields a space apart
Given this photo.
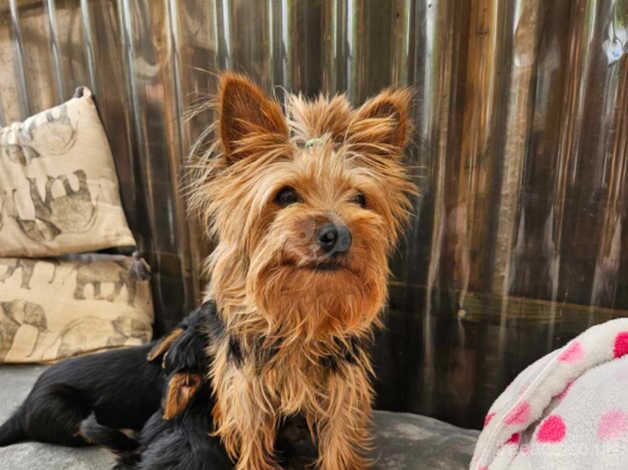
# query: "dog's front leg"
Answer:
x=246 y=426
x=343 y=430
x=256 y=448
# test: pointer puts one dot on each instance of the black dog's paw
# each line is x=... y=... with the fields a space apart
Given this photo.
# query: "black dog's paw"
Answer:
x=95 y=433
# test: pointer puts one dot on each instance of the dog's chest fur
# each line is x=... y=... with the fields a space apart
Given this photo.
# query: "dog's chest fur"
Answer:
x=290 y=379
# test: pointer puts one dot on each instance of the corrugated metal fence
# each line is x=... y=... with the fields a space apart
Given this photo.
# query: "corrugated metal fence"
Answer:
x=520 y=239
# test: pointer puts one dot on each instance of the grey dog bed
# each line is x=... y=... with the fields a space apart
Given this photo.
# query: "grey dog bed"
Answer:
x=404 y=441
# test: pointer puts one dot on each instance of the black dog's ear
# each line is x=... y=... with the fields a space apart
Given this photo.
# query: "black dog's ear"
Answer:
x=181 y=389
x=164 y=344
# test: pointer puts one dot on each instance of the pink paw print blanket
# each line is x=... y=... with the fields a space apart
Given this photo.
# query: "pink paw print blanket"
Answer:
x=568 y=410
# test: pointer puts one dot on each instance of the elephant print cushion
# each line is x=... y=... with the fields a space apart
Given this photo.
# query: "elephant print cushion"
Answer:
x=58 y=185
x=51 y=309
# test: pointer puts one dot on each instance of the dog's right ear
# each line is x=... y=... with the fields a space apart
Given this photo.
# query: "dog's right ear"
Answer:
x=248 y=119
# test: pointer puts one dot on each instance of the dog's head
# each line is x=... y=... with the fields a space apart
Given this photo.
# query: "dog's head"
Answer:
x=184 y=361
x=305 y=207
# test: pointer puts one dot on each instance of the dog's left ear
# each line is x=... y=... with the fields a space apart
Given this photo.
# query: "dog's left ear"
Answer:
x=382 y=125
x=181 y=389
x=248 y=118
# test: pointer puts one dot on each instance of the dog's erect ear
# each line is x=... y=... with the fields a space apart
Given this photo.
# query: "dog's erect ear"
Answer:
x=383 y=125
x=247 y=117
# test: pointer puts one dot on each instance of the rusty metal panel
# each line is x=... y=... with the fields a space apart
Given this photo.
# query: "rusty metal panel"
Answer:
x=521 y=152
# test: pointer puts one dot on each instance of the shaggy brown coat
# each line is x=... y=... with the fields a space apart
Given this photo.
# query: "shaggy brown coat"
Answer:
x=300 y=330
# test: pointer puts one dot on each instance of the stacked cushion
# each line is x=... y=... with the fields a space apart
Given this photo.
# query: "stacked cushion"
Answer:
x=58 y=186
x=59 y=196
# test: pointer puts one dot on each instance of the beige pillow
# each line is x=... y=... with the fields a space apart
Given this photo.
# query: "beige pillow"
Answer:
x=51 y=309
x=58 y=185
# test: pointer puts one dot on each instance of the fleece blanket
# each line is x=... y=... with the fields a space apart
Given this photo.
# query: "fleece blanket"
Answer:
x=568 y=410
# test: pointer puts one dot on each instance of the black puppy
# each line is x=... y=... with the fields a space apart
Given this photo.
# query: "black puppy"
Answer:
x=116 y=387
x=180 y=436
x=88 y=399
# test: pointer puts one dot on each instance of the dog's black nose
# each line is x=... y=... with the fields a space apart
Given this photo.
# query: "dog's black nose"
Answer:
x=334 y=238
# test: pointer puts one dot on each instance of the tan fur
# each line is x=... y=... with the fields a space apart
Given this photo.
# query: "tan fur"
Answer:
x=163 y=345
x=263 y=276
x=181 y=390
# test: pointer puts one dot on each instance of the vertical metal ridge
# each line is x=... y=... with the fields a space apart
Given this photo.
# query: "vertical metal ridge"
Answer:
x=126 y=49
x=88 y=42
x=216 y=23
x=272 y=40
x=223 y=18
x=435 y=100
x=519 y=121
x=478 y=125
x=127 y=77
x=190 y=267
x=569 y=137
x=18 y=57
x=128 y=55
x=286 y=45
x=400 y=73
x=279 y=54
x=51 y=9
x=149 y=234
x=342 y=59
x=174 y=34
x=350 y=42
x=330 y=47
x=611 y=171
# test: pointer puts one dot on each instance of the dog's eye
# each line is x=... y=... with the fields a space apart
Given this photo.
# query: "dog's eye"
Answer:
x=286 y=196
x=359 y=199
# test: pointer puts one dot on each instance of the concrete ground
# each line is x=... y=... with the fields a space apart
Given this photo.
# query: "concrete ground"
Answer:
x=403 y=442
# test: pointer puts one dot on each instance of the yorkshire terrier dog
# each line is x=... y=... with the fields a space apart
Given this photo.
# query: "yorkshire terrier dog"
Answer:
x=304 y=208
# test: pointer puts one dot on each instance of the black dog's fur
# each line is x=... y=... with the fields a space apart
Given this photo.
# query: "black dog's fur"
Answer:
x=116 y=387
x=184 y=442
x=88 y=399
